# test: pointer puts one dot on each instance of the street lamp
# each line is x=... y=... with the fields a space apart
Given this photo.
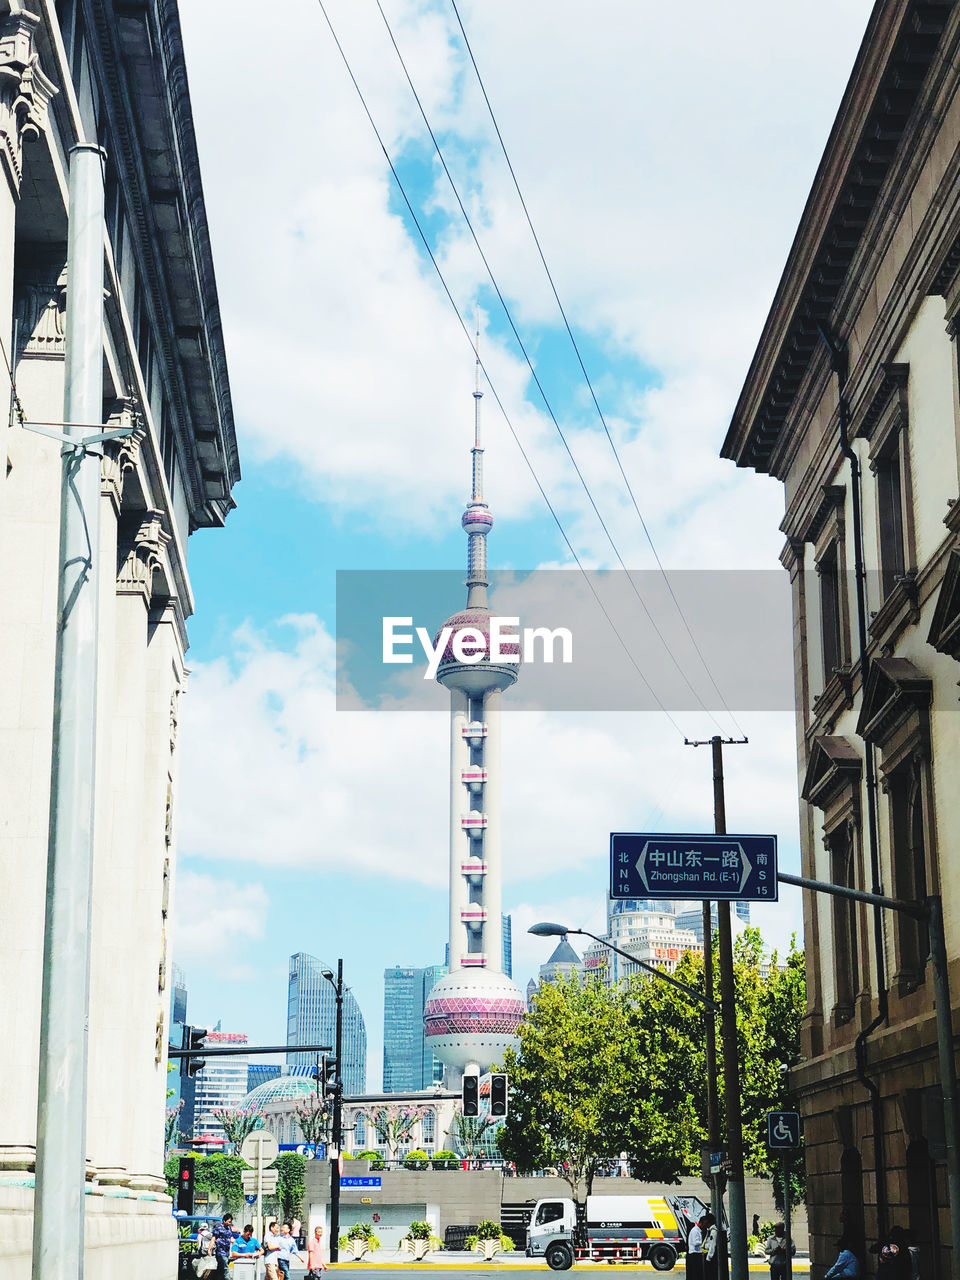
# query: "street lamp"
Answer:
x=337 y=985
x=547 y=929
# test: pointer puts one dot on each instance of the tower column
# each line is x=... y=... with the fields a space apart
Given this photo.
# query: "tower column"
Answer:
x=492 y=882
x=459 y=847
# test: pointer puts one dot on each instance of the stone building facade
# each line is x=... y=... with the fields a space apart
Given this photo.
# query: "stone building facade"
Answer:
x=111 y=73
x=851 y=402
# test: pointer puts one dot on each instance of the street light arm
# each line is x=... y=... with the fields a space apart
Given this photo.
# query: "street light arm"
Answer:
x=657 y=973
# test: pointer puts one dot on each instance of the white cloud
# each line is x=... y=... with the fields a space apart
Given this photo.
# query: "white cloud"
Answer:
x=215 y=923
x=665 y=153
x=273 y=775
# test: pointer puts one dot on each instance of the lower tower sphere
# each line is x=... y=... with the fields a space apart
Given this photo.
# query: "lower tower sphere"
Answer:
x=473 y=1016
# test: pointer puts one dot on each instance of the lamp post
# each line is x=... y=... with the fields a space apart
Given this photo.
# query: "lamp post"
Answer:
x=337 y=1113
x=547 y=929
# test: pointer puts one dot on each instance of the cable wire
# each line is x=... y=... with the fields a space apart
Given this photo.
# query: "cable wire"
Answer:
x=473 y=346
x=583 y=368
x=543 y=395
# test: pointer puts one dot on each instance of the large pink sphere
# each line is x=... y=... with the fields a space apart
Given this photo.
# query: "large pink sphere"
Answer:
x=473 y=1015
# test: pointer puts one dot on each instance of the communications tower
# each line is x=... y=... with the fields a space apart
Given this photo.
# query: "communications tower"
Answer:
x=472 y=1015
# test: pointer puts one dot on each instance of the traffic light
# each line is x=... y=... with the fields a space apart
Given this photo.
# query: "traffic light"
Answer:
x=328 y=1075
x=193 y=1038
x=471 y=1095
x=185 y=1186
x=499 y=1089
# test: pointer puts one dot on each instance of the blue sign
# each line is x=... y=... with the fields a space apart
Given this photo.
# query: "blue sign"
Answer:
x=783 y=1130
x=367 y=1183
x=695 y=867
x=250 y=1199
x=306 y=1149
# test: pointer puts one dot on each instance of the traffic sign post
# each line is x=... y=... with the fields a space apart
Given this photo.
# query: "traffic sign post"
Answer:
x=783 y=1134
x=260 y=1148
x=711 y=868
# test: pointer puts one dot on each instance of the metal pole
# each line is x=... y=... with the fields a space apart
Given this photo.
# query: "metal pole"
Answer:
x=259 y=1217
x=337 y=1126
x=736 y=1192
x=788 y=1275
x=58 y=1229
x=948 y=1069
x=713 y=1097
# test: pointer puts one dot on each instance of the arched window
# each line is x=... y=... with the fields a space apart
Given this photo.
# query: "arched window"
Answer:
x=924 y=1220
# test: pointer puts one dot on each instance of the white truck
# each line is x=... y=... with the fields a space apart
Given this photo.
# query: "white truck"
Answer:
x=626 y=1228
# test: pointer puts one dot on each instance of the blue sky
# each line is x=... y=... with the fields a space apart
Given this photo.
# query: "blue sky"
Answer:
x=665 y=160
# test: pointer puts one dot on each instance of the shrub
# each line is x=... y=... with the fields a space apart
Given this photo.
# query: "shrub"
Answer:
x=420 y=1231
x=446 y=1160
x=418 y=1160
x=488 y=1230
x=470 y=1243
x=753 y=1244
x=375 y=1158
x=360 y=1231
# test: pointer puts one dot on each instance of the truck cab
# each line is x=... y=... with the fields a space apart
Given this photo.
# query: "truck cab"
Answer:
x=616 y=1228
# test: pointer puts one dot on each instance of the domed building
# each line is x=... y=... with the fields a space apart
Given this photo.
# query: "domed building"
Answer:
x=472 y=1015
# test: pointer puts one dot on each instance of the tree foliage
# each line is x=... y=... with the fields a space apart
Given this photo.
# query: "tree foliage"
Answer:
x=604 y=1072
x=291 y=1170
x=314 y=1117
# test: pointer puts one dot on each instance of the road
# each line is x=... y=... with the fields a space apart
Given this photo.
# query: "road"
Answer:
x=512 y=1263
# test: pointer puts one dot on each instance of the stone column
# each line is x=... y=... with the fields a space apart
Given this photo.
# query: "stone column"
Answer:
x=122 y=938
x=29 y=550
x=25 y=93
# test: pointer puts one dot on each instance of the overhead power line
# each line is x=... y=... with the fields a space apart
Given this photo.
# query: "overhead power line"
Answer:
x=466 y=331
x=583 y=367
x=543 y=395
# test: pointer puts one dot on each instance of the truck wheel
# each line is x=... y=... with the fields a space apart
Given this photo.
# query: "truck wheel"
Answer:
x=559 y=1257
x=663 y=1257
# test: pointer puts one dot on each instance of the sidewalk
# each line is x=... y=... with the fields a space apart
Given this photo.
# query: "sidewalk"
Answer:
x=449 y=1260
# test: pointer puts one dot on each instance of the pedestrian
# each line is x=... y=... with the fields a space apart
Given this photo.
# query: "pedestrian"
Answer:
x=755 y=1229
x=776 y=1251
x=205 y=1260
x=273 y=1250
x=894 y=1262
x=315 y=1261
x=246 y=1250
x=711 y=1243
x=846 y=1267
x=695 y=1239
x=289 y=1245
x=223 y=1243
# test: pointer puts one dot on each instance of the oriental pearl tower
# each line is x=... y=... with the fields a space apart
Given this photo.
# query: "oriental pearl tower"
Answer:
x=472 y=1015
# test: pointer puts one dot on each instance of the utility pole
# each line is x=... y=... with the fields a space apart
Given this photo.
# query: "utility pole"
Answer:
x=736 y=1192
x=713 y=1098
x=58 y=1229
x=337 y=1124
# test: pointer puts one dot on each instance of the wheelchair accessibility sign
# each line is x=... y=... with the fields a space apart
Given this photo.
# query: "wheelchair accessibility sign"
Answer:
x=783 y=1130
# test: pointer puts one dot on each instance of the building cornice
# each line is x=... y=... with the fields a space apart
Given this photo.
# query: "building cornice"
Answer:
x=898 y=50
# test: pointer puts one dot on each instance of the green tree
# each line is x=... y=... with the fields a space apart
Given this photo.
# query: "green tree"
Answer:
x=570 y=1094
x=291 y=1169
x=238 y=1122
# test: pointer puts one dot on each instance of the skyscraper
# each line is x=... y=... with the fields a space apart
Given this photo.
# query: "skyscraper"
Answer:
x=312 y=1015
x=183 y=1087
x=408 y=1061
x=222 y=1083
x=472 y=1015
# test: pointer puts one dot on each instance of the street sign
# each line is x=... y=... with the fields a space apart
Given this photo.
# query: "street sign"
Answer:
x=268 y=1181
x=251 y=1199
x=369 y=1184
x=698 y=868
x=783 y=1130
x=716 y=1161
x=260 y=1145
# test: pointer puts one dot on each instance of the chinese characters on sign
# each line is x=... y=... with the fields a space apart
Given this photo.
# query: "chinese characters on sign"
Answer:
x=695 y=867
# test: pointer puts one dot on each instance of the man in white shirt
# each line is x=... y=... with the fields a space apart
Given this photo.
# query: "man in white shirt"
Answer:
x=273 y=1250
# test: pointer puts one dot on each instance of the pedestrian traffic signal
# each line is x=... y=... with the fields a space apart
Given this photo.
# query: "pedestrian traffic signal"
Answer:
x=471 y=1095
x=185 y=1186
x=499 y=1089
x=193 y=1038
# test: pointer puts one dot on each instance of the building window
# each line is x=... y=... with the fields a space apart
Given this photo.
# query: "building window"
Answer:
x=890 y=504
x=846 y=951
x=909 y=853
x=831 y=619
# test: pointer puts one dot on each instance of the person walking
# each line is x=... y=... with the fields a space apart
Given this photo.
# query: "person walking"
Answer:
x=776 y=1251
x=315 y=1263
x=223 y=1244
x=289 y=1246
x=273 y=1249
x=847 y=1265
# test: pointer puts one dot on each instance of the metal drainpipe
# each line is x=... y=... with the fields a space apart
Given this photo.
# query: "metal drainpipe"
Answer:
x=839 y=366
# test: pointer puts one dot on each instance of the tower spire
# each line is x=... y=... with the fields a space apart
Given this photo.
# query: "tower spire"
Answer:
x=477 y=520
